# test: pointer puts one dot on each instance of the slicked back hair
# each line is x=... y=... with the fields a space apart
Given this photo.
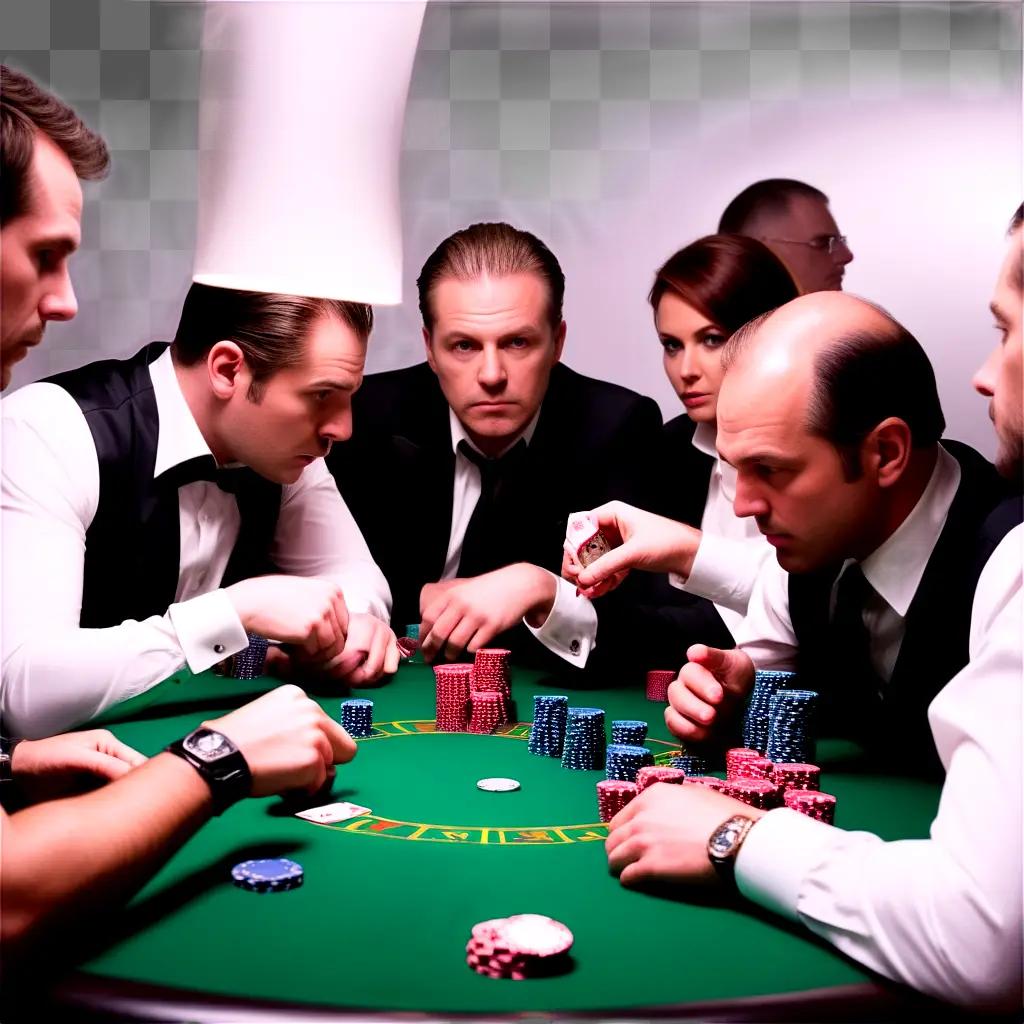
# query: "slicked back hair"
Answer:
x=770 y=196
x=27 y=111
x=861 y=379
x=496 y=250
x=1017 y=276
x=267 y=327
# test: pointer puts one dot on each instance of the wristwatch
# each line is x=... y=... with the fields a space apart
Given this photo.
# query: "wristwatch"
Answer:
x=6 y=753
x=725 y=842
x=221 y=764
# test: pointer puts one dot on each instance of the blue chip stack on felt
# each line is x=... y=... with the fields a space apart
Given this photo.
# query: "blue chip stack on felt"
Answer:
x=691 y=764
x=584 y=740
x=547 y=734
x=755 y=724
x=624 y=761
x=357 y=716
x=791 y=727
x=276 y=874
x=629 y=732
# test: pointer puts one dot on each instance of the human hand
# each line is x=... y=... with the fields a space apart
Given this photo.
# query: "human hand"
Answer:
x=288 y=741
x=59 y=765
x=370 y=653
x=662 y=835
x=709 y=687
x=467 y=614
x=639 y=540
x=301 y=610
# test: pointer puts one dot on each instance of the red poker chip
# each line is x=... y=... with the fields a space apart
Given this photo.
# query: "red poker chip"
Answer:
x=658 y=682
x=760 y=793
x=821 y=806
x=650 y=774
x=737 y=758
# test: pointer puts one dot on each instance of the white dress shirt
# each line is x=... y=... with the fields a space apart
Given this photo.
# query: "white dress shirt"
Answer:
x=894 y=570
x=942 y=914
x=732 y=549
x=56 y=674
x=571 y=626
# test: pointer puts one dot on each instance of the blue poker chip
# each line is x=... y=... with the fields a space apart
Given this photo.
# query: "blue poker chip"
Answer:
x=274 y=874
x=547 y=734
x=623 y=761
x=629 y=732
x=757 y=719
x=791 y=727
x=584 y=748
x=357 y=717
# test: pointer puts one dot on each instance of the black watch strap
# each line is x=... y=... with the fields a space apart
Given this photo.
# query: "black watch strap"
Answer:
x=228 y=776
x=6 y=753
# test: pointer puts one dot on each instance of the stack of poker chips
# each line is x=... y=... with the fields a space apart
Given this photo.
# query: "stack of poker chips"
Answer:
x=790 y=726
x=736 y=760
x=658 y=682
x=412 y=632
x=821 y=806
x=519 y=947
x=612 y=796
x=652 y=773
x=761 y=793
x=797 y=776
x=755 y=768
x=632 y=733
x=276 y=874
x=492 y=671
x=584 y=740
x=547 y=734
x=487 y=711
x=755 y=723
x=689 y=764
x=453 y=687
x=623 y=762
x=357 y=717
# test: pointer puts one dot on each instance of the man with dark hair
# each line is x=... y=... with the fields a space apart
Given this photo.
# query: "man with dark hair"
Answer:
x=830 y=414
x=794 y=221
x=943 y=914
x=190 y=470
x=496 y=443
x=107 y=843
x=46 y=149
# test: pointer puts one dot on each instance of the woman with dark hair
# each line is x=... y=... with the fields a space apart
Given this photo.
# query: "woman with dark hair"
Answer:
x=701 y=296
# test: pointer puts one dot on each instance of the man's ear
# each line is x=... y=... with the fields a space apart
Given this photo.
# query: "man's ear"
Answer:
x=225 y=363
x=559 y=341
x=886 y=451
x=427 y=344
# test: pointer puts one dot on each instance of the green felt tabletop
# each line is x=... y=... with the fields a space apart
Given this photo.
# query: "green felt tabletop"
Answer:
x=383 y=917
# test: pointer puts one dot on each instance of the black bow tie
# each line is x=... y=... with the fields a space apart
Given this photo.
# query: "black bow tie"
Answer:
x=204 y=467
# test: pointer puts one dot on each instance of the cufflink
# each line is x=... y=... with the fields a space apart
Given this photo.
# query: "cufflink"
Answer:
x=218 y=648
x=574 y=647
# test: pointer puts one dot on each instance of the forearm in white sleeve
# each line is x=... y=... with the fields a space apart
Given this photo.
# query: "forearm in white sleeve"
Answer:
x=570 y=630
x=724 y=571
x=318 y=536
x=943 y=914
x=766 y=632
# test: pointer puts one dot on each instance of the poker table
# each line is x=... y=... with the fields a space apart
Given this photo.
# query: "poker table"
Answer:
x=380 y=925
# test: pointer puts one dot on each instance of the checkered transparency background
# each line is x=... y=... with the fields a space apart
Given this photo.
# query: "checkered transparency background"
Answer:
x=616 y=131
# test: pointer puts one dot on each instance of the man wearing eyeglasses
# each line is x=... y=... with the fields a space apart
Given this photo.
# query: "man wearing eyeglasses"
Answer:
x=794 y=221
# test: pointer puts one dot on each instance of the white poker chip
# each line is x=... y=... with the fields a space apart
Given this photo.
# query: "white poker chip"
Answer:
x=498 y=785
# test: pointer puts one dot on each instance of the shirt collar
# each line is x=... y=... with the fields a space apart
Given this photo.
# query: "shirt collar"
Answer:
x=704 y=440
x=894 y=569
x=178 y=437
x=459 y=433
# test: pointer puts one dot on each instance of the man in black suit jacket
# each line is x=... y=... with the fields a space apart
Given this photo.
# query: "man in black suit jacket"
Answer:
x=463 y=470
x=830 y=415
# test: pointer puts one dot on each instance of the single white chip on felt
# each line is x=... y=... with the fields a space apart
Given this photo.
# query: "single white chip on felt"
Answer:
x=498 y=785
x=330 y=813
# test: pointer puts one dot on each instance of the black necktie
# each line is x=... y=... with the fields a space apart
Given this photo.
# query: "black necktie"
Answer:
x=860 y=686
x=485 y=545
x=204 y=467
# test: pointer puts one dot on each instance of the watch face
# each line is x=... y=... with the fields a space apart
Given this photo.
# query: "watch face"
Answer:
x=723 y=839
x=208 y=745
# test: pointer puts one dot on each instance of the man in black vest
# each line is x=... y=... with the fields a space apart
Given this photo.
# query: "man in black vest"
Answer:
x=144 y=500
x=942 y=913
x=463 y=470
x=832 y=420
x=67 y=857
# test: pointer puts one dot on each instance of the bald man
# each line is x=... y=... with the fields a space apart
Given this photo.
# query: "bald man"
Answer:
x=830 y=414
x=943 y=914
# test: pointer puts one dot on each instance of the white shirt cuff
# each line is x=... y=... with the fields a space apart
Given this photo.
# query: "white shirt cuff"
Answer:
x=570 y=630
x=723 y=571
x=208 y=629
x=778 y=855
